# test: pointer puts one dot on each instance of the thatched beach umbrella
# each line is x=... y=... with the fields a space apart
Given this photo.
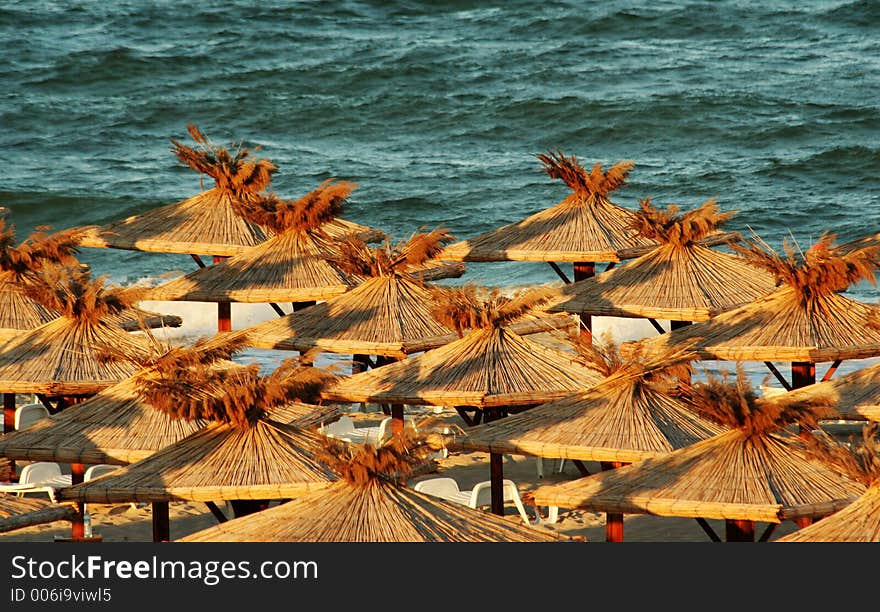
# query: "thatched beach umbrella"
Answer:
x=370 y=503
x=242 y=455
x=19 y=265
x=805 y=321
x=209 y=223
x=856 y=395
x=487 y=373
x=489 y=368
x=117 y=425
x=639 y=410
x=756 y=471
x=860 y=520
x=20 y=512
x=681 y=280
x=289 y=267
x=63 y=358
x=388 y=314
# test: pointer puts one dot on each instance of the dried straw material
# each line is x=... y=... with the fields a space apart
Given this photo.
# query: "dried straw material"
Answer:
x=289 y=267
x=728 y=476
x=758 y=470
x=859 y=521
x=486 y=368
x=585 y=226
x=780 y=327
x=20 y=512
x=855 y=395
x=379 y=512
x=638 y=411
x=209 y=223
x=270 y=460
x=62 y=358
x=680 y=280
x=385 y=315
x=114 y=426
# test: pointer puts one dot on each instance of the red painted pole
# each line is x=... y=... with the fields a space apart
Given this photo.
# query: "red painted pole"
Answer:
x=77 y=526
x=224 y=309
x=613 y=520
x=582 y=270
x=803 y=373
x=739 y=531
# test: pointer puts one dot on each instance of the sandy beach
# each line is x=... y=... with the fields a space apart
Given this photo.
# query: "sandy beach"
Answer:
x=127 y=523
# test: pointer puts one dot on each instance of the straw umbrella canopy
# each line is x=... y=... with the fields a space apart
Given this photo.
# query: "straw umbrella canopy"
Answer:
x=388 y=314
x=20 y=512
x=756 y=471
x=860 y=520
x=290 y=266
x=584 y=227
x=489 y=368
x=63 y=357
x=856 y=395
x=641 y=409
x=118 y=426
x=681 y=280
x=370 y=503
x=209 y=223
x=805 y=321
x=243 y=453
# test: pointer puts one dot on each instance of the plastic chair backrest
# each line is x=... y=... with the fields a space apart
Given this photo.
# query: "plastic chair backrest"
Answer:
x=439 y=487
x=481 y=494
x=39 y=471
x=96 y=471
x=339 y=427
x=385 y=427
x=28 y=414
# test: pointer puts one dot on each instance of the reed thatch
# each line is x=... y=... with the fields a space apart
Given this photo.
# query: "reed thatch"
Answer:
x=805 y=320
x=639 y=410
x=221 y=461
x=860 y=520
x=681 y=279
x=585 y=226
x=855 y=395
x=20 y=512
x=490 y=366
x=20 y=264
x=62 y=357
x=369 y=504
x=209 y=223
x=243 y=453
x=116 y=425
x=759 y=470
x=289 y=267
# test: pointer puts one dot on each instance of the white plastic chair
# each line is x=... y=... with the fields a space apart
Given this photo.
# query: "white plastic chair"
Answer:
x=41 y=477
x=481 y=495
x=96 y=471
x=28 y=414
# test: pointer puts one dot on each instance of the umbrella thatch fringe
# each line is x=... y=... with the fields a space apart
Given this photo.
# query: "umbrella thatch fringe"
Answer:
x=380 y=512
x=778 y=327
x=487 y=367
x=691 y=283
x=270 y=460
x=289 y=267
x=729 y=476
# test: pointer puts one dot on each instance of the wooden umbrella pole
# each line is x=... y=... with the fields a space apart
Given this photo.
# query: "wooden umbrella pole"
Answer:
x=803 y=373
x=583 y=270
x=496 y=483
x=395 y=410
x=613 y=520
x=739 y=531
x=224 y=309
x=161 y=522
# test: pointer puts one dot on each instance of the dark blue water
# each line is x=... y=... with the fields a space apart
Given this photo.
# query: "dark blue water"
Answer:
x=437 y=109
